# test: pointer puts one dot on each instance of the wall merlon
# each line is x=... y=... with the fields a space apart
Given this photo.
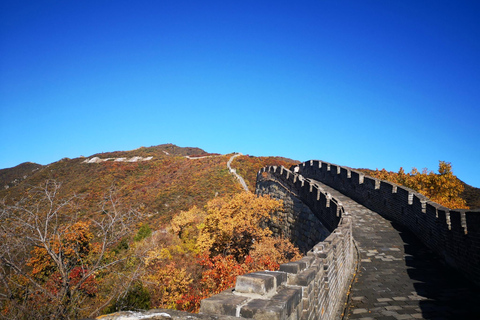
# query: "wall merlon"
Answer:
x=472 y=221
x=257 y=283
x=280 y=277
x=305 y=277
x=293 y=267
x=262 y=309
x=224 y=303
x=410 y=198
x=453 y=234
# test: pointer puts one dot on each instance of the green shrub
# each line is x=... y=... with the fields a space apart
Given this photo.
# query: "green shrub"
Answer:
x=137 y=298
x=143 y=232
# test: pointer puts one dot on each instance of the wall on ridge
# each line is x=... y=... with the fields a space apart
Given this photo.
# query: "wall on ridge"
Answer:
x=453 y=234
x=313 y=288
x=296 y=222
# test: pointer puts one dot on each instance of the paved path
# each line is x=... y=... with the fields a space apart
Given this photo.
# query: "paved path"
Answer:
x=398 y=277
x=234 y=172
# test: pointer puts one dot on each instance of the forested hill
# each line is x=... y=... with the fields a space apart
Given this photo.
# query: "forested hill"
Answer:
x=13 y=176
x=471 y=196
x=160 y=180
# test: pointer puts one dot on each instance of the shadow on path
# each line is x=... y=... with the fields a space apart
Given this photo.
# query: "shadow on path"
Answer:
x=444 y=293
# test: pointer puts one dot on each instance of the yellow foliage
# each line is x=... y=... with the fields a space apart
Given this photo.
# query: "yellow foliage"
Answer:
x=232 y=225
x=444 y=188
x=167 y=284
x=186 y=219
x=278 y=249
x=157 y=254
x=186 y=226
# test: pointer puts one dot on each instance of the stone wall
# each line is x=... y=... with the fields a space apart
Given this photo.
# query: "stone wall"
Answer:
x=296 y=222
x=313 y=288
x=453 y=234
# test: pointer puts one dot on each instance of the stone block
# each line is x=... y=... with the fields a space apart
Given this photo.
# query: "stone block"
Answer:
x=289 y=297
x=224 y=303
x=259 y=283
x=305 y=277
x=263 y=310
x=280 y=277
x=290 y=267
x=307 y=260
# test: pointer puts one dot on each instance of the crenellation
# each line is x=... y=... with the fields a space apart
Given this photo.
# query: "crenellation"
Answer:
x=320 y=263
x=446 y=232
x=410 y=198
x=316 y=286
x=456 y=224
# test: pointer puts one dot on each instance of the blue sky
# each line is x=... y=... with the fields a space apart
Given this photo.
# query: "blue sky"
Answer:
x=366 y=84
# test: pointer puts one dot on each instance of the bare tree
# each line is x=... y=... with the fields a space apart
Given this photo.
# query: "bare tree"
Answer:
x=50 y=253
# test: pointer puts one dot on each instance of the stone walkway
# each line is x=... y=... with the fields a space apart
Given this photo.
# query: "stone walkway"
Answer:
x=398 y=277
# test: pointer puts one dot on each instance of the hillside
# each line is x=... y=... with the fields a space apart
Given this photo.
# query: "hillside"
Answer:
x=471 y=196
x=154 y=256
x=106 y=220
x=160 y=180
x=13 y=176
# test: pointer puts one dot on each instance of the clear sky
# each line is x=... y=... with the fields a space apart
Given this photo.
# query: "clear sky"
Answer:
x=365 y=84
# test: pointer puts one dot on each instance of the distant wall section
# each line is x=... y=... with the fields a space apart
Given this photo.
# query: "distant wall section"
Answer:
x=453 y=234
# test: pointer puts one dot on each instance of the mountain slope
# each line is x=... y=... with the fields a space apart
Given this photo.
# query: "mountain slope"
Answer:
x=160 y=181
x=13 y=176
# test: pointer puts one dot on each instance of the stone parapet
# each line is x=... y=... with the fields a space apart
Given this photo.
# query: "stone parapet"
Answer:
x=453 y=234
x=314 y=287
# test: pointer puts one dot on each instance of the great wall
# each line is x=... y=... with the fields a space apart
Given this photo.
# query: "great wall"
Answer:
x=373 y=250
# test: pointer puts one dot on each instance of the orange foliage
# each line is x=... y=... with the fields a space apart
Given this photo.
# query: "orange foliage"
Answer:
x=220 y=274
x=88 y=286
x=232 y=243
x=74 y=247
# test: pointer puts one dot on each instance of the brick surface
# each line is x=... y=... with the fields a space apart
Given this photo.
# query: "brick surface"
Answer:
x=398 y=277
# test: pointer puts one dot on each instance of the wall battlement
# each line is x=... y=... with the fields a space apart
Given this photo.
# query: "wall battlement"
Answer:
x=453 y=234
x=314 y=287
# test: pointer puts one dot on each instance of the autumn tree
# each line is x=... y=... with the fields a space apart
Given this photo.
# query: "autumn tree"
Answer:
x=233 y=225
x=442 y=187
x=210 y=247
x=50 y=256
